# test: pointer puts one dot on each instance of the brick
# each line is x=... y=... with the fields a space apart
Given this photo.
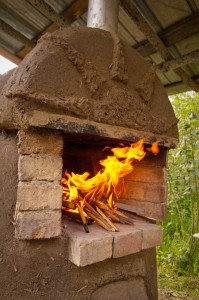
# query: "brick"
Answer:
x=152 y=192
x=40 y=167
x=152 y=234
x=99 y=244
x=151 y=174
x=39 y=195
x=88 y=248
x=127 y=241
x=40 y=141
x=38 y=225
x=156 y=211
x=154 y=160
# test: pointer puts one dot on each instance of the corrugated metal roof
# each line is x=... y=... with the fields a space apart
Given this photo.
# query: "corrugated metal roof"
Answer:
x=59 y=5
x=23 y=11
x=130 y=26
x=169 y=12
x=8 y=43
x=149 y=15
x=17 y=24
x=125 y=35
x=160 y=14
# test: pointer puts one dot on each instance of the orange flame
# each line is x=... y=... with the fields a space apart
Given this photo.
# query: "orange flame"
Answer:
x=154 y=148
x=108 y=183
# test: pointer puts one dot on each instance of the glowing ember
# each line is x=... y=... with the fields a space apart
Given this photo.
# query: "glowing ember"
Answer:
x=95 y=196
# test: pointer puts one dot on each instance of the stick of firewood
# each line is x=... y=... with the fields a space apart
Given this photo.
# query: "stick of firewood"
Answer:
x=107 y=219
x=96 y=216
x=124 y=218
x=99 y=221
x=90 y=207
x=123 y=214
x=125 y=221
x=89 y=196
x=84 y=223
x=68 y=203
x=99 y=216
x=117 y=217
x=93 y=211
x=111 y=215
x=75 y=216
x=101 y=205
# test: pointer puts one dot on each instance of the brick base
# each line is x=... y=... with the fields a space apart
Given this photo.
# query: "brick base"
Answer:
x=39 y=196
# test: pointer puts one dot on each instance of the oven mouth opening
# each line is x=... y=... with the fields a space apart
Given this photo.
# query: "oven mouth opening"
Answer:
x=117 y=231
x=93 y=182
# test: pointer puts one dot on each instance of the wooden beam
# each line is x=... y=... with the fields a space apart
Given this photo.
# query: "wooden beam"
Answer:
x=172 y=34
x=16 y=35
x=178 y=62
x=179 y=87
x=75 y=10
x=149 y=15
x=188 y=80
x=47 y=11
x=154 y=39
x=176 y=88
x=144 y=27
x=13 y=58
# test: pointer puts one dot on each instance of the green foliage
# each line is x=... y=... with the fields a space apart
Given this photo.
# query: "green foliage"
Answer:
x=172 y=286
x=180 y=250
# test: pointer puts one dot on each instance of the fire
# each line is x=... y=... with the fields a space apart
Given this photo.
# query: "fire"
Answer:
x=99 y=193
x=154 y=148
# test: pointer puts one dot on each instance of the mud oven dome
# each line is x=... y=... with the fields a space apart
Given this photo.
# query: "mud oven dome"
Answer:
x=79 y=90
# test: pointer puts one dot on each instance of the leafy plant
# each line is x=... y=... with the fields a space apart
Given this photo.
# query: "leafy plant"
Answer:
x=180 y=249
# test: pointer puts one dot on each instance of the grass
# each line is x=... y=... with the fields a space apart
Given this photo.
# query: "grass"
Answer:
x=172 y=286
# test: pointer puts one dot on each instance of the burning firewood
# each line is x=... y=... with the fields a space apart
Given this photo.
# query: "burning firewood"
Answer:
x=106 y=219
x=68 y=204
x=123 y=218
x=94 y=214
x=95 y=197
x=99 y=221
x=111 y=215
x=75 y=216
x=82 y=217
x=101 y=205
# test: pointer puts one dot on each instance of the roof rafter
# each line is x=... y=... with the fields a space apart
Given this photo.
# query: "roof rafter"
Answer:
x=16 y=60
x=173 y=34
x=75 y=10
x=178 y=62
x=155 y=40
x=178 y=87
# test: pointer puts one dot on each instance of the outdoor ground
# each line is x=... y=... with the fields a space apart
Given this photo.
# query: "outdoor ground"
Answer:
x=178 y=287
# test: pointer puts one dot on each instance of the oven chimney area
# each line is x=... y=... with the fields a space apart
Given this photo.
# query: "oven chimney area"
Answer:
x=85 y=131
x=103 y=14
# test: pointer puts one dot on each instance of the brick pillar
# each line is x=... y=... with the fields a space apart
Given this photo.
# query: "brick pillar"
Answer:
x=39 y=196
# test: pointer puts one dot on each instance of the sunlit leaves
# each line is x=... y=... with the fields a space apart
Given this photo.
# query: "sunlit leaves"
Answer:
x=180 y=248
